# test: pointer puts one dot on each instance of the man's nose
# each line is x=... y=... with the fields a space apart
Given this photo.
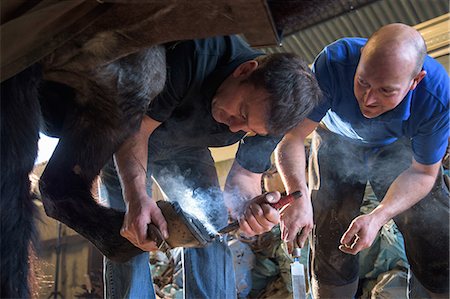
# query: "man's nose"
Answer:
x=237 y=125
x=369 y=97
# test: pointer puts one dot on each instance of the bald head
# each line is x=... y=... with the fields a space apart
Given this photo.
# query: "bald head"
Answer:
x=397 y=44
x=389 y=67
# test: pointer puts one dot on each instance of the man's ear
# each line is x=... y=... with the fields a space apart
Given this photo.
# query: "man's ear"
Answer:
x=417 y=79
x=245 y=69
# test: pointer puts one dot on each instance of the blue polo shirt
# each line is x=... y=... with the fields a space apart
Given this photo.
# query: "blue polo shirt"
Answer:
x=422 y=116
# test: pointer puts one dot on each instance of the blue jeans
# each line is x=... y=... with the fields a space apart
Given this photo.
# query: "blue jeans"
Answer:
x=133 y=278
x=208 y=272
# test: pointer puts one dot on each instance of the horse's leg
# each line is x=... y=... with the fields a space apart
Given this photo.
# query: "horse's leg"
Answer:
x=66 y=184
x=91 y=134
x=20 y=120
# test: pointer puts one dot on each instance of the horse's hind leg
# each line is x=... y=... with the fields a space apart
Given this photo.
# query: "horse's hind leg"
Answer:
x=20 y=120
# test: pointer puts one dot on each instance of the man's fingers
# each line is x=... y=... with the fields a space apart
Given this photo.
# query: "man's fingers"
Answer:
x=270 y=215
x=262 y=217
x=302 y=236
x=255 y=211
x=349 y=250
x=144 y=244
x=256 y=223
x=245 y=228
x=354 y=246
x=129 y=232
x=160 y=222
x=283 y=230
x=345 y=249
x=272 y=197
x=289 y=234
x=290 y=246
x=346 y=238
x=154 y=234
x=250 y=218
x=141 y=232
x=269 y=197
x=136 y=233
x=349 y=235
x=295 y=233
x=358 y=245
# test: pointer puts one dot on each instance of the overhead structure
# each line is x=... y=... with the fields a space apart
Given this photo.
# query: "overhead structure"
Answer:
x=361 y=21
x=30 y=30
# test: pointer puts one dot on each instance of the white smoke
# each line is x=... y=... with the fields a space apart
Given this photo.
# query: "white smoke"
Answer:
x=204 y=205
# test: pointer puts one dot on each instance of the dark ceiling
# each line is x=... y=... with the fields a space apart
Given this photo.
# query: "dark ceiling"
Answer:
x=294 y=15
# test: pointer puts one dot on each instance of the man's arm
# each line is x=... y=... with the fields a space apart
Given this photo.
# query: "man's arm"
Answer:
x=408 y=188
x=141 y=209
x=243 y=197
x=291 y=163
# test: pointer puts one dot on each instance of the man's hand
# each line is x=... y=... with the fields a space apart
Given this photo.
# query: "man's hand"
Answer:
x=297 y=221
x=360 y=234
x=401 y=195
x=139 y=214
x=259 y=217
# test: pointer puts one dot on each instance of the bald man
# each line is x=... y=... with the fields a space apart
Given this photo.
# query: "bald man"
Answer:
x=384 y=119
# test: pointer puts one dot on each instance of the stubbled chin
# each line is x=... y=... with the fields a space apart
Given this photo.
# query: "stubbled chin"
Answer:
x=365 y=113
x=369 y=114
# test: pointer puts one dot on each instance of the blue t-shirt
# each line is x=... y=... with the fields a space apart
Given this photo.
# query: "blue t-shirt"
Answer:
x=422 y=116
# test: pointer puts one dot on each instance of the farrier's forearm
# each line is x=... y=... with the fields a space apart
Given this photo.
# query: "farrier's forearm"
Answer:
x=290 y=157
x=243 y=181
x=408 y=188
x=131 y=167
x=241 y=186
x=131 y=160
x=290 y=161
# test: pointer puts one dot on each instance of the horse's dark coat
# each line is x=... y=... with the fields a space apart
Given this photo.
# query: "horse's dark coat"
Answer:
x=91 y=122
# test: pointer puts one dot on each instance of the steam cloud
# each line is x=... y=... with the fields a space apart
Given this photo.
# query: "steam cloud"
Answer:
x=206 y=205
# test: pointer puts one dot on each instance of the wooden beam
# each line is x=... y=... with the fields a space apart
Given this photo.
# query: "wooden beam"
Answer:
x=436 y=33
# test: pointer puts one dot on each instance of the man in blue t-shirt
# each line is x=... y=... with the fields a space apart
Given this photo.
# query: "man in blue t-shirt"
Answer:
x=217 y=90
x=384 y=119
